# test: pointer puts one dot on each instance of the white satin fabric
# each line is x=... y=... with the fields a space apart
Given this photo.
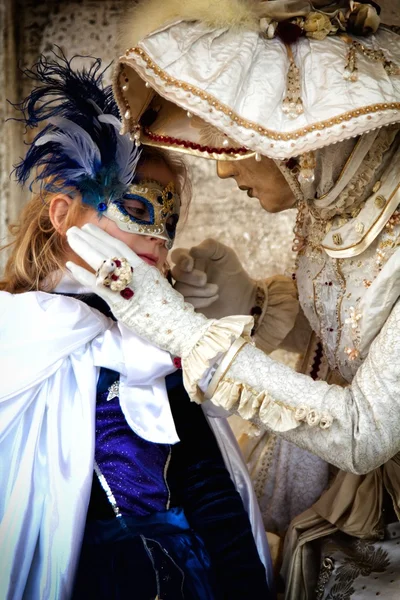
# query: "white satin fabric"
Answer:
x=143 y=368
x=246 y=72
x=51 y=351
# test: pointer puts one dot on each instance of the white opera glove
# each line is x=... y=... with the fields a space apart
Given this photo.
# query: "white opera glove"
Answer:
x=155 y=311
x=211 y=277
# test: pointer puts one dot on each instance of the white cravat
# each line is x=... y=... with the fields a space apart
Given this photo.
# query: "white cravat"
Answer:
x=143 y=367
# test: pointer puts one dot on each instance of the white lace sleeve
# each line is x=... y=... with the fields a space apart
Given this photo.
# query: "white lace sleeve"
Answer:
x=356 y=428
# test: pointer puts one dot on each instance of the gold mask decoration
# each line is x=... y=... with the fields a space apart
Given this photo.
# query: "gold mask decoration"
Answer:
x=147 y=208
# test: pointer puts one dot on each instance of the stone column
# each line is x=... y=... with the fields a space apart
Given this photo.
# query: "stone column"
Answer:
x=11 y=138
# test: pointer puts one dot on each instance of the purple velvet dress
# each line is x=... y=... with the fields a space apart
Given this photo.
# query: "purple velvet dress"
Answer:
x=182 y=531
x=134 y=469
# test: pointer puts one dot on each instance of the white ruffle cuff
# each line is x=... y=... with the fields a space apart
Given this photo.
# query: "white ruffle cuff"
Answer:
x=216 y=340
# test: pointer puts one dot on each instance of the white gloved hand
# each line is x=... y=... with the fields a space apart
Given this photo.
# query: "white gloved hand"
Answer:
x=155 y=311
x=211 y=277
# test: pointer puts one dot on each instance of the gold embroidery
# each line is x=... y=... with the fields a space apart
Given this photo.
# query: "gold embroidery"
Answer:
x=375 y=228
x=337 y=239
x=377 y=187
x=359 y=227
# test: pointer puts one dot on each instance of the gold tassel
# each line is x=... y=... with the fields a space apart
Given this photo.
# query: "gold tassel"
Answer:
x=292 y=104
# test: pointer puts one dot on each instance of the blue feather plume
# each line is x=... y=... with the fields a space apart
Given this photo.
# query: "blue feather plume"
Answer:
x=80 y=146
x=127 y=156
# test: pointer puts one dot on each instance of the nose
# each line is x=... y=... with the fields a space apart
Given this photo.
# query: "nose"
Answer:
x=225 y=169
x=157 y=241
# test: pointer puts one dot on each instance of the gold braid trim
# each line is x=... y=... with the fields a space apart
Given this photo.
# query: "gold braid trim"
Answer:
x=215 y=104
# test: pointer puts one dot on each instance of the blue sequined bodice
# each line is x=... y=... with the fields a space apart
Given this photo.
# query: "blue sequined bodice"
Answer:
x=134 y=469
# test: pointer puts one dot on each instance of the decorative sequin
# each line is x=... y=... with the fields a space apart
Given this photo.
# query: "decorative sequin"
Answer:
x=377 y=187
x=380 y=201
x=359 y=227
x=352 y=353
x=107 y=489
x=355 y=316
x=113 y=391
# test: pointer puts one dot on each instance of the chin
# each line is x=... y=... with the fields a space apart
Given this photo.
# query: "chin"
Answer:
x=275 y=205
x=271 y=207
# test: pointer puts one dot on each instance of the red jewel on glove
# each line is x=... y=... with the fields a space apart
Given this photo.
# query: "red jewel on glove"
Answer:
x=127 y=293
x=117 y=263
x=177 y=362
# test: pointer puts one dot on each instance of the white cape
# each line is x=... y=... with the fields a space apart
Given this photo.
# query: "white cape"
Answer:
x=52 y=348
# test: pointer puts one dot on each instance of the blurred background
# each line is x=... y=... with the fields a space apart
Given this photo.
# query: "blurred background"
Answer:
x=90 y=27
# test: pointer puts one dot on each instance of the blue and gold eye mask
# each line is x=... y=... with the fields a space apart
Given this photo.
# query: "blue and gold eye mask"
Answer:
x=147 y=208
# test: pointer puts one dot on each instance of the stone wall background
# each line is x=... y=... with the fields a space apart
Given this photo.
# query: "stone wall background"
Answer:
x=89 y=27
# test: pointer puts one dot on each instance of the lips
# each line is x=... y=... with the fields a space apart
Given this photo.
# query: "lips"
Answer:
x=246 y=188
x=150 y=259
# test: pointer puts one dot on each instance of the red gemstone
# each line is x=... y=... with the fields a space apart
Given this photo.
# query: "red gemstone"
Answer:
x=127 y=293
x=117 y=263
x=177 y=362
x=114 y=277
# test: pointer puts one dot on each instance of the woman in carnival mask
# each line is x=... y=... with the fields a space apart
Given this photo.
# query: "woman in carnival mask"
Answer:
x=113 y=485
x=299 y=101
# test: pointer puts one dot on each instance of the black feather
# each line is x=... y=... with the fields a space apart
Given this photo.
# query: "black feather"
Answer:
x=80 y=97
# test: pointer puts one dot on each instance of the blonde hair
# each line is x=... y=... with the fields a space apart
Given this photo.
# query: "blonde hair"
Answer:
x=39 y=251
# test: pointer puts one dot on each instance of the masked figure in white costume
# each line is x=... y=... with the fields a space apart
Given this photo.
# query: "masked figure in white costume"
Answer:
x=300 y=102
x=110 y=485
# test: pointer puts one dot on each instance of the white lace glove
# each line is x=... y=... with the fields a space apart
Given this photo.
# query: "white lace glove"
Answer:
x=355 y=428
x=155 y=311
x=211 y=277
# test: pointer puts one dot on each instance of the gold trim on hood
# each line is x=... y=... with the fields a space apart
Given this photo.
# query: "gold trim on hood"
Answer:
x=370 y=233
x=238 y=120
